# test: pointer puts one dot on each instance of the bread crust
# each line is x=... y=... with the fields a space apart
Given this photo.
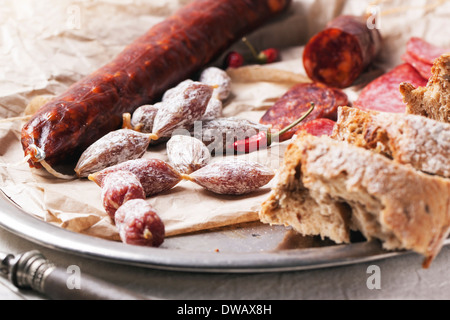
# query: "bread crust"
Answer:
x=407 y=139
x=327 y=188
x=432 y=101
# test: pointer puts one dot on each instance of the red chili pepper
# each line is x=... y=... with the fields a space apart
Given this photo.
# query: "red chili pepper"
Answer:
x=266 y=56
x=265 y=139
x=233 y=60
x=269 y=55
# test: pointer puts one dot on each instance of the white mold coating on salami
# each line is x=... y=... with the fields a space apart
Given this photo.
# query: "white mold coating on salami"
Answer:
x=143 y=118
x=173 y=91
x=232 y=176
x=114 y=148
x=155 y=175
x=139 y=224
x=185 y=105
x=187 y=154
x=118 y=188
x=213 y=110
x=217 y=77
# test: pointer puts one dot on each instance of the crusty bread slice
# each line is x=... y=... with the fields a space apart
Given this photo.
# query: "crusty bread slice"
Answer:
x=432 y=101
x=327 y=187
x=408 y=139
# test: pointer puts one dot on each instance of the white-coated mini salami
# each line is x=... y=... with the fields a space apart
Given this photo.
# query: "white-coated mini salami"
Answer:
x=213 y=110
x=187 y=154
x=118 y=188
x=138 y=224
x=232 y=176
x=185 y=105
x=155 y=175
x=114 y=148
x=218 y=78
x=173 y=91
x=143 y=118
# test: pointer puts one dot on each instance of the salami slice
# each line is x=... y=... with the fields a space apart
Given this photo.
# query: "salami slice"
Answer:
x=421 y=55
x=318 y=127
x=422 y=67
x=424 y=51
x=383 y=94
x=340 y=53
x=294 y=103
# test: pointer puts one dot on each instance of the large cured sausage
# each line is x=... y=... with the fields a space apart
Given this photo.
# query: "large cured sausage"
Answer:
x=168 y=53
x=339 y=54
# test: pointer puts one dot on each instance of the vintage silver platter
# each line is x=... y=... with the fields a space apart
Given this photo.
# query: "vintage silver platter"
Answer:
x=246 y=248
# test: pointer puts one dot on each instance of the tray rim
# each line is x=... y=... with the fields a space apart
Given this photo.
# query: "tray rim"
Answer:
x=35 y=230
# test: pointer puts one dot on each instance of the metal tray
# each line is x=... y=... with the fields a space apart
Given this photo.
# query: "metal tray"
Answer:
x=247 y=248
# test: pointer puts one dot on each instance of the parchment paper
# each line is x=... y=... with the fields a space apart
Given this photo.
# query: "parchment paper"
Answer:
x=47 y=45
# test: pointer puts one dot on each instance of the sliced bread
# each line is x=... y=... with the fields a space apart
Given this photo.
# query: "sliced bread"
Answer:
x=327 y=187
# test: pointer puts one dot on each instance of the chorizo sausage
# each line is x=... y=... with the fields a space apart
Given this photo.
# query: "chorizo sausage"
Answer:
x=296 y=101
x=337 y=55
x=318 y=127
x=167 y=54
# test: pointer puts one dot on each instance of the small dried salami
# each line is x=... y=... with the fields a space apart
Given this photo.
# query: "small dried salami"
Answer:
x=139 y=224
x=118 y=188
x=115 y=147
x=218 y=78
x=173 y=91
x=383 y=94
x=155 y=175
x=297 y=101
x=339 y=54
x=142 y=118
x=187 y=154
x=232 y=176
x=185 y=105
x=213 y=110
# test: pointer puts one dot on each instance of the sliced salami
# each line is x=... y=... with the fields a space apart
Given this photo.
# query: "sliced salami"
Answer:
x=294 y=103
x=383 y=94
x=318 y=127
x=422 y=67
x=424 y=51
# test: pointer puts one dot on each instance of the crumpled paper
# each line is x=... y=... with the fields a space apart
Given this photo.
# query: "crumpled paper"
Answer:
x=45 y=46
